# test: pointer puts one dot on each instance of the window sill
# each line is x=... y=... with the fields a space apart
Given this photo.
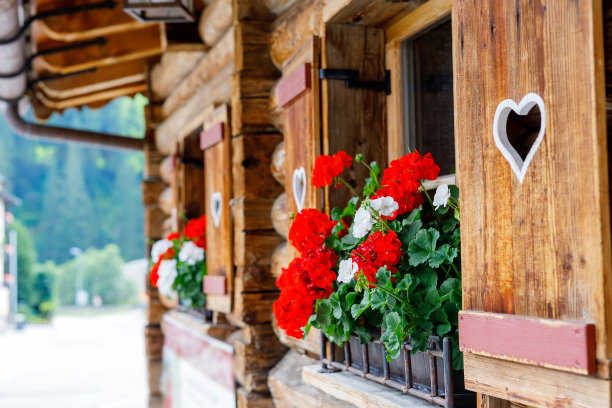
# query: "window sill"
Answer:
x=358 y=391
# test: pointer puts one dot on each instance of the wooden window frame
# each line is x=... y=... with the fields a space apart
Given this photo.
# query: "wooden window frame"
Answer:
x=417 y=21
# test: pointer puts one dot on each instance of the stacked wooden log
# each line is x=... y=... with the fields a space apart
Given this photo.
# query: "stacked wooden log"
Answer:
x=153 y=187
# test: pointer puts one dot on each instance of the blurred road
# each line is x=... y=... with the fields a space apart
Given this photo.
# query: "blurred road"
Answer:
x=94 y=361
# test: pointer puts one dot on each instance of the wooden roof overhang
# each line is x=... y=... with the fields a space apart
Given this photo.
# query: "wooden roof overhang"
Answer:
x=103 y=54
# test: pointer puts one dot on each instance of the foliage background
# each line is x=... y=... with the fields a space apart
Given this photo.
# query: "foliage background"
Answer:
x=75 y=195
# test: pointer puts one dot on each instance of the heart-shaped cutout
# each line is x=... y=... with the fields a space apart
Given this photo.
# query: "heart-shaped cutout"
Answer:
x=518 y=164
x=216 y=207
x=299 y=187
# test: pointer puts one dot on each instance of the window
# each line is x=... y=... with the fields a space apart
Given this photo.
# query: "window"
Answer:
x=427 y=78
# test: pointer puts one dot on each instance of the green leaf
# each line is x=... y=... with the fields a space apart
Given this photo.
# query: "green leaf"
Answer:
x=362 y=333
x=451 y=312
x=443 y=254
x=454 y=190
x=450 y=284
x=323 y=312
x=432 y=297
x=449 y=224
x=393 y=347
x=441 y=315
x=404 y=284
x=383 y=276
x=422 y=246
x=427 y=277
x=419 y=341
x=443 y=328
x=413 y=216
x=457 y=355
x=392 y=321
x=350 y=208
x=336 y=214
x=350 y=298
x=348 y=242
x=379 y=299
x=357 y=310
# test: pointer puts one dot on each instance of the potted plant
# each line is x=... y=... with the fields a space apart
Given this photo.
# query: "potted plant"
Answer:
x=179 y=265
x=385 y=270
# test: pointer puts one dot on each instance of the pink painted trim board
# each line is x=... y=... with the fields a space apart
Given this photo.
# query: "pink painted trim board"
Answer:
x=212 y=136
x=295 y=83
x=558 y=344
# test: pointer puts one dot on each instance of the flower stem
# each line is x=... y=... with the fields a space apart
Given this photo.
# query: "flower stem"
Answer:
x=348 y=186
x=430 y=202
x=457 y=271
x=371 y=172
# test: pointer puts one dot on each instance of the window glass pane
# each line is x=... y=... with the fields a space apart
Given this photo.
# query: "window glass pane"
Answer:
x=428 y=95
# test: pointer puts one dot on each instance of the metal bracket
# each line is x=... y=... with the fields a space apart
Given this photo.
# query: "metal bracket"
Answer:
x=351 y=78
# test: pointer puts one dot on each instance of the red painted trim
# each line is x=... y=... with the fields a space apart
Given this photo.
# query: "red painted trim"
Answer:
x=212 y=136
x=294 y=85
x=559 y=344
x=215 y=285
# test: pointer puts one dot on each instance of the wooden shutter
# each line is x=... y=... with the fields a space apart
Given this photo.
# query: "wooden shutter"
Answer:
x=354 y=119
x=216 y=143
x=190 y=179
x=298 y=94
x=539 y=248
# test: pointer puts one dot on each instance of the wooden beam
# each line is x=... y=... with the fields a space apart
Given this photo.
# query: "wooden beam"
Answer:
x=279 y=6
x=418 y=20
x=562 y=345
x=103 y=78
x=106 y=95
x=210 y=65
x=293 y=28
x=215 y=19
x=119 y=47
x=371 y=13
x=190 y=115
x=534 y=386
x=172 y=68
x=89 y=24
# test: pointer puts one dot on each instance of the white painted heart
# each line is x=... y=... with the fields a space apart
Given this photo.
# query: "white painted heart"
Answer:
x=299 y=187
x=518 y=165
x=216 y=207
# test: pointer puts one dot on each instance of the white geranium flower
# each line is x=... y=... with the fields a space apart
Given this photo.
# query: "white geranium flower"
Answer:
x=190 y=253
x=159 y=248
x=347 y=270
x=384 y=206
x=442 y=196
x=167 y=275
x=362 y=223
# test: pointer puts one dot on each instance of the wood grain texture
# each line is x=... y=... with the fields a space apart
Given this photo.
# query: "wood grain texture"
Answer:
x=533 y=386
x=345 y=126
x=251 y=165
x=191 y=114
x=297 y=82
x=302 y=127
x=562 y=345
x=541 y=248
x=371 y=13
x=173 y=66
x=218 y=57
x=293 y=28
x=218 y=179
x=215 y=19
x=139 y=43
x=191 y=180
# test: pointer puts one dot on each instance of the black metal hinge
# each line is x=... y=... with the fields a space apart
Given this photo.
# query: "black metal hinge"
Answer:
x=351 y=78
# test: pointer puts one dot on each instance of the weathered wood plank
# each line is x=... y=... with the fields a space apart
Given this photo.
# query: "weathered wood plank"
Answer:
x=345 y=127
x=534 y=386
x=293 y=28
x=191 y=114
x=371 y=13
x=562 y=345
x=218 y=179
x=172 y=68
x=252 y=213
x=191 y=180
x=119 y=47
x=541 y=247
x=215 y=19
x=254 y=308
x=217 y=58
x=254 y=248
x=251 y=165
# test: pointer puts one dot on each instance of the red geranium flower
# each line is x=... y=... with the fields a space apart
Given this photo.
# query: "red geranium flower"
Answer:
x=173 y=236
x=309 y=230
x=195 y=231
x=377 y=251
x=328 y=167
x=154 y=274
x=292 y=310
x=402 y=179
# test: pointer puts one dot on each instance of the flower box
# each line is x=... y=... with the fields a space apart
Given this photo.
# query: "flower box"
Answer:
x=427 y=375
x=199 y=312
